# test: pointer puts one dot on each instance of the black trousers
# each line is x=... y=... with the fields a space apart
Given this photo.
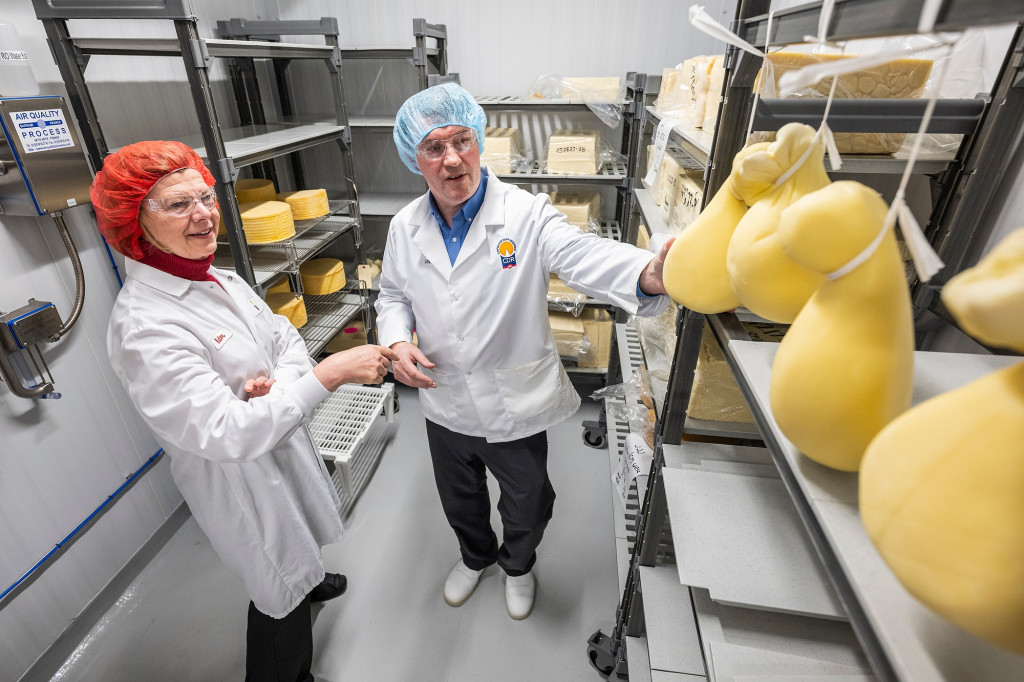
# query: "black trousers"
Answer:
x=279 y=649
x=525 y=504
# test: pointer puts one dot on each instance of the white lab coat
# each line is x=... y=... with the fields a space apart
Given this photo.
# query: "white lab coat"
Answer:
x=486 y=327
x=248 y=469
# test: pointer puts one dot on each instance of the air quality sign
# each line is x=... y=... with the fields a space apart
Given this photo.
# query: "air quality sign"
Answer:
x=42 y=130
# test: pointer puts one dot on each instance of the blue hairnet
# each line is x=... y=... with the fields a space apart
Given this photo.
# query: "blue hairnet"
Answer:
x=447 y=104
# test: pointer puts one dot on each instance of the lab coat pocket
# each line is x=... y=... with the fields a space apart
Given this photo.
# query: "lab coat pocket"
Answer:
x=437 y=400
x=530 y=390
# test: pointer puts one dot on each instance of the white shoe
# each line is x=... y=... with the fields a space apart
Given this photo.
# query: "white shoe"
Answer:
x=460 y=584
x=519 y=593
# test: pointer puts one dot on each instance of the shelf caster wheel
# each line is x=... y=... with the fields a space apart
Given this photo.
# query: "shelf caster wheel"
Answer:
x=595 y=439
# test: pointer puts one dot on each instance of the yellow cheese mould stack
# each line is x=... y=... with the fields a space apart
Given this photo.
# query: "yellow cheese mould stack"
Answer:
x=290 y=305
x=266 y=222
x=845 y=367
x=942 y=486
x=322 y=276
x=306 y=203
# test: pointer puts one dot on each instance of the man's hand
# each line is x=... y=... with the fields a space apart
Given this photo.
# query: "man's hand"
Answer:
x=260 y=386
x=404 y=365
x=651 y=282
x=365 y=364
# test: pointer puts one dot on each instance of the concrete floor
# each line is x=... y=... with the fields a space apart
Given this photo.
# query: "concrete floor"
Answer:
x=183 y=619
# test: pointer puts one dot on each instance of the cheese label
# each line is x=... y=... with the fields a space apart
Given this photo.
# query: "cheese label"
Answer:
x=507 y=252
x=220 y=337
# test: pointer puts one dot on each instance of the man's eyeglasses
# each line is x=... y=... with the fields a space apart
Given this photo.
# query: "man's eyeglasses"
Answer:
x=432 y=150
x=184 y=205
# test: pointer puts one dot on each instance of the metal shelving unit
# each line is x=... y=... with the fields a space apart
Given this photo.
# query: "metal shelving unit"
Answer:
x=888 y=633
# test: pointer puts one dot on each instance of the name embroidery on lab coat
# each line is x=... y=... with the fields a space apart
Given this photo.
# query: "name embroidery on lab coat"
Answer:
x=507 y=252
x=220 y=337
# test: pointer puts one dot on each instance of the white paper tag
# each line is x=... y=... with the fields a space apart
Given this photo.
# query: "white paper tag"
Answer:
x=661 y=136
x=634 y=461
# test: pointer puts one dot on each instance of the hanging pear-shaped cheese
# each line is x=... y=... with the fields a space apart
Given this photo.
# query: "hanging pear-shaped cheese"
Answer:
x=988 y=299
x=764 y=279
x=845 y=367
x=695 y=274
x=942 y=499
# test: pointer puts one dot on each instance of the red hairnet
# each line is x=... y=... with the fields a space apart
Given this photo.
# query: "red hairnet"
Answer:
x=127 y=177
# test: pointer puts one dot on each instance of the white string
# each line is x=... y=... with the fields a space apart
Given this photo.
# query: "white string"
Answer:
x=926 y=261
x=824 y=19
x=703 y=22
x=929 y=15
x=767 y=76
x=800 y=161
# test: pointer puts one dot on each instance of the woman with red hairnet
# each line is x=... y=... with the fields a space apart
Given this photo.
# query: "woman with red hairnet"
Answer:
x=227 y=387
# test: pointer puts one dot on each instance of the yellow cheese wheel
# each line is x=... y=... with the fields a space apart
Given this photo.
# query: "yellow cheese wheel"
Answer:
x=988 y=299
x=695 y=273
x=322 y=275
x=306 y=203
x=845 y=368
x=267 y=221
x=765 y=280
x=289 y=305
x=942 y=499
x=254 y=189
x=281 y=287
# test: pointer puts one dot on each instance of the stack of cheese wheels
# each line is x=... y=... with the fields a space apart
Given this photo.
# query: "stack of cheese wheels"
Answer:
x=306 y=203
x=281 y=287
x=256 y=189
x=290 y=305
x=322 y=276
x=266 y=221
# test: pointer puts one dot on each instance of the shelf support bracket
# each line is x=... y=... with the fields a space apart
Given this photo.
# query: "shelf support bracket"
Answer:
x=201 y=58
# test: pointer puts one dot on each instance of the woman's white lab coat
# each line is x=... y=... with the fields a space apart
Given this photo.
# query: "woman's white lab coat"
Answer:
x=248 y=469
x=484 y=321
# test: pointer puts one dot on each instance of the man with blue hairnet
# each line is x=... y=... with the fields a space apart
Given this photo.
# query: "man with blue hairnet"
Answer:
x=467 y=266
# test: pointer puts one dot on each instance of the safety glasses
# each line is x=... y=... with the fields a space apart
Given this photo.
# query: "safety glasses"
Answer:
x=182 y=205
x=432 y=150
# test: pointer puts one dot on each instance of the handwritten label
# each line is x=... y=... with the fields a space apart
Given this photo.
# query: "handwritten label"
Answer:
x=660 y=142
x=635 y=460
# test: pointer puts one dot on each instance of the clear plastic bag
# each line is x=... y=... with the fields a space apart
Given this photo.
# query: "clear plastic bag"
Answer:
x=569 y=334
x=603 y=96
x=638 y=408
x=562 y=298
x=684 y=91
x=578 y=152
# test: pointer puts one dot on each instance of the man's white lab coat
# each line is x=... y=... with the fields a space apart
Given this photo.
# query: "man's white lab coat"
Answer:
x=247 y=468
x=484 y=321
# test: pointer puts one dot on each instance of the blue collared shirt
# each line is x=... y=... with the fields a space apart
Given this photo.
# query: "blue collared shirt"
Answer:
x=455 y=235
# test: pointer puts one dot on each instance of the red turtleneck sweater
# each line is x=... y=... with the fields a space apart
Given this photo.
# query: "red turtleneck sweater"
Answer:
x=186 y=268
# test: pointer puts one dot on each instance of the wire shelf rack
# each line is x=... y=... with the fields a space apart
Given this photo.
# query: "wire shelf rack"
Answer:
x=608 y=173
x=327 y=314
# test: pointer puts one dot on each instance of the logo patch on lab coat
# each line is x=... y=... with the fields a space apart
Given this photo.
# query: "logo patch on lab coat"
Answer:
x=507 y=252
x=220 y=337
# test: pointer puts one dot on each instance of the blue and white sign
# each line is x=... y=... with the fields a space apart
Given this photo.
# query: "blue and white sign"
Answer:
x=42 y=130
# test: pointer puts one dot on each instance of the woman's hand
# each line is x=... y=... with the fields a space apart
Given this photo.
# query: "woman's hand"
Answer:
x=260 y=386
x=406 y=358
x=360 y=365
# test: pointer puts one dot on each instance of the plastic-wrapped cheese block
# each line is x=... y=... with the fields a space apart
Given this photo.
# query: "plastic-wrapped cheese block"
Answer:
x=593 y=88
x=267 y=221
x=289 y=305
x=248 y=191
x=715 y=395
x=568 y=332
x=351 y=336
x=598 y=328
x=322 y=276
x=900 y=78
x=696 y=275
x=763 y=276
x=988 y=299
x=686 y=200
x=713 y=98
x=573 y=152
x=845 y=368
x=306 y=203
x=941 y=499
x=582 y=209
x=502 y=147
x=684 y=91
x=665 y=181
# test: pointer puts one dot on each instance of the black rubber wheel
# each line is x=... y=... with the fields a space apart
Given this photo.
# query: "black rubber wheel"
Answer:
x=594 y=439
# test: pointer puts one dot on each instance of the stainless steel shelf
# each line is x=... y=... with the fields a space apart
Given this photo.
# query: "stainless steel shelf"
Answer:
x=374 y=123
x=327 y=315
x=216 y=47
x=650 y=211
x=898 y=633
x=384 y=203
x=696 y=143
x=607 y=174
x=384 y=52
x=251 y=144
x=516 y=102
